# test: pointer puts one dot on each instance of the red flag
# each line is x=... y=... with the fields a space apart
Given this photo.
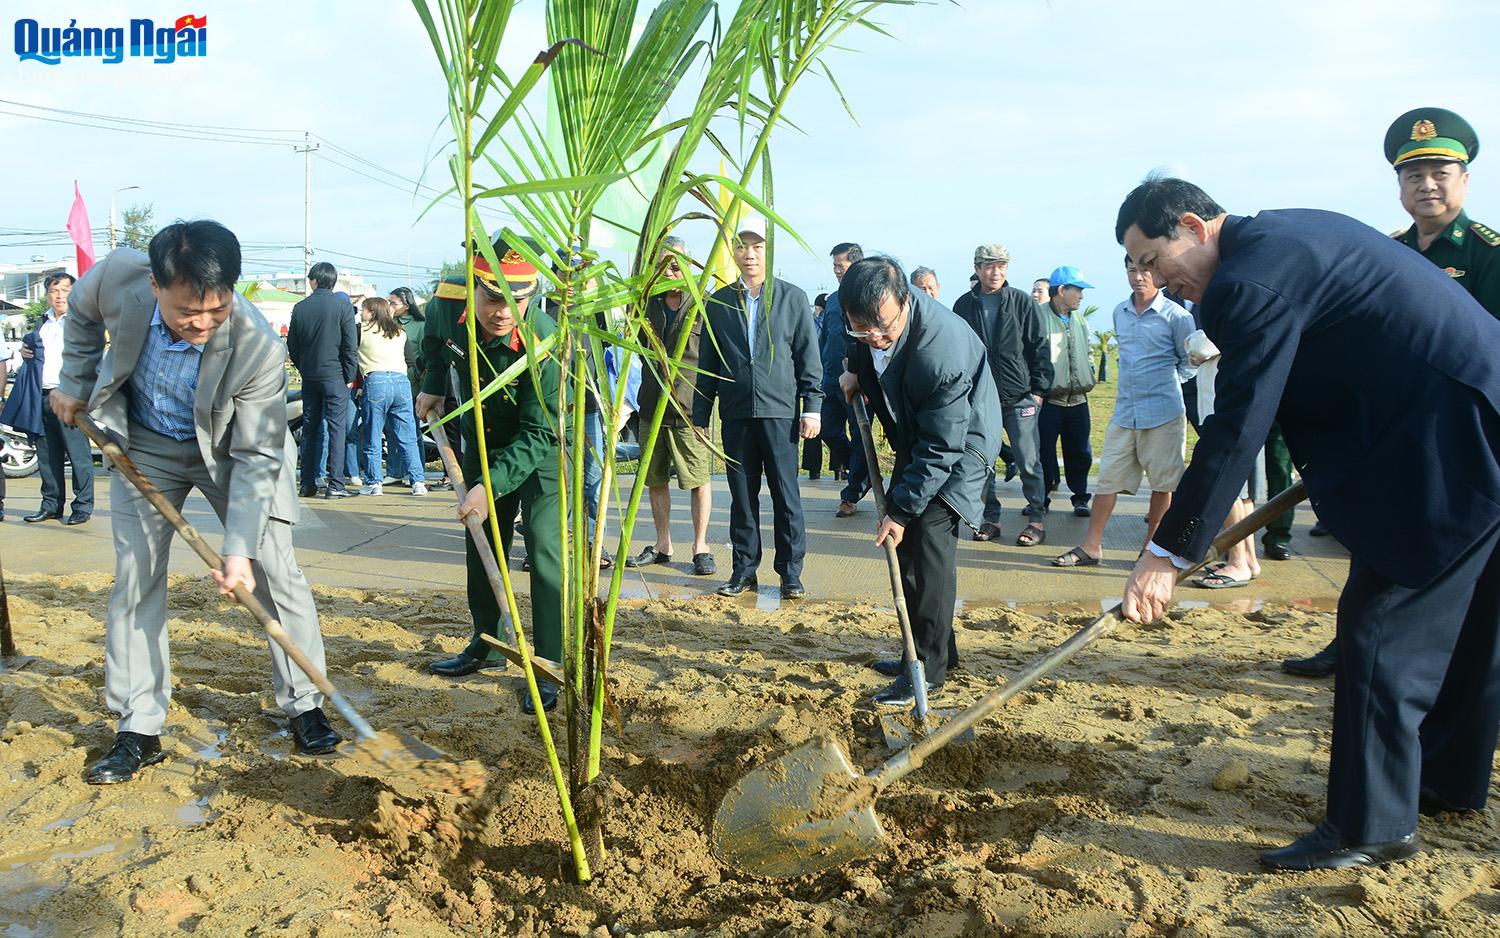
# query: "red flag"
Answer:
x=196 y=22
x=78 y=227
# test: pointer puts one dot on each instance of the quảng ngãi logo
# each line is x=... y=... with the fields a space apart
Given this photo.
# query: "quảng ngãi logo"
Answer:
x=186 y=38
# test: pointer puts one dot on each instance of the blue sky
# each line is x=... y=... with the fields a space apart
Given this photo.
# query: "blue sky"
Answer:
x=1024 y=122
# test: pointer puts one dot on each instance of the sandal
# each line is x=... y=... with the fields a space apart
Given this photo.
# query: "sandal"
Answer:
x=987 y=531
x=1031 y=536
x=1218 y=581
x=1075 y=558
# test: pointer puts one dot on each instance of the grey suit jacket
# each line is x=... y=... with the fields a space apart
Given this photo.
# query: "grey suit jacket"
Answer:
x=240 y=402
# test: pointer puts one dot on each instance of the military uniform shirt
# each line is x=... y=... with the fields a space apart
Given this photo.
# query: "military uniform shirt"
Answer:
x=1469 y=253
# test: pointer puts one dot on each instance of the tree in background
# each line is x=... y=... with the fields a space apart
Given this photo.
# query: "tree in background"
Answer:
x=136 y=227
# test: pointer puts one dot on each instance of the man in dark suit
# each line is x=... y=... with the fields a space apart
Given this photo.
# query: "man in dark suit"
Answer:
x=760 y=362
x=322 y=341
x=927 y=375
x=1305 y=306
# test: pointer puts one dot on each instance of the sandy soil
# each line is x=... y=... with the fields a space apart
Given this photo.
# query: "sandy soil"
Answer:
x=1129 y=797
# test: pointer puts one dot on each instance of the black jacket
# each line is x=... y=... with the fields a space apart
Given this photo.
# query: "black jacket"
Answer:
x=1015 y=340
x=784 y=379
x=1384 y=375
x=946 y=431
x=322 y=339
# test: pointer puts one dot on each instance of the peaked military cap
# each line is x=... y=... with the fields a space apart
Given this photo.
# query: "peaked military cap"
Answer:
x=1430 y=133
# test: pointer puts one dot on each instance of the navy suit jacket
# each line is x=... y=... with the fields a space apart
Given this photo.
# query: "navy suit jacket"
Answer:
x=1384 y=375
x=946 y=426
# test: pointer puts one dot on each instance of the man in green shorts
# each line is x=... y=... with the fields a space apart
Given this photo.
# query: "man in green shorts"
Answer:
x=678 y=446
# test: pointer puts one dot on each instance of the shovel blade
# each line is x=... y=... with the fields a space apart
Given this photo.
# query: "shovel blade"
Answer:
x=412 y=768
x=803 y=813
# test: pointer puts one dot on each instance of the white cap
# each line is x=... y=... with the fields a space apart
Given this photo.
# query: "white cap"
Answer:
x=753 y=224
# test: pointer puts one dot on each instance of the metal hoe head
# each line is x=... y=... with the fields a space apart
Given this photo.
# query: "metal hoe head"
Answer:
x=803 y=813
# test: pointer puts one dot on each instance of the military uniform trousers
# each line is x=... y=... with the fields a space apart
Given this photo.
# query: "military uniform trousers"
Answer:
x=137 y=662
x=928 y=557
x=1417 y=694
x=536 y=502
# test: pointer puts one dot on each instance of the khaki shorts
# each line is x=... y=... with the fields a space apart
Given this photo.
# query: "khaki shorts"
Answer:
x=677 y=445
x=1160 y=453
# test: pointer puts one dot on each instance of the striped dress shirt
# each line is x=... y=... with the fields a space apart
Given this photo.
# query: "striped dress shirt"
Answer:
x=164 y=382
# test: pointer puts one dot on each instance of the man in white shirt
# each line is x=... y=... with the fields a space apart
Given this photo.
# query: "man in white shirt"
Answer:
x=56 y=439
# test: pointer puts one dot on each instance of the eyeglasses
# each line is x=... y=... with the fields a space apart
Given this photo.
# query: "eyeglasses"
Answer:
x=882 y=333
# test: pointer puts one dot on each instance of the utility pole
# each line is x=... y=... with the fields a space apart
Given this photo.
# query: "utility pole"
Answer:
x=306 y=150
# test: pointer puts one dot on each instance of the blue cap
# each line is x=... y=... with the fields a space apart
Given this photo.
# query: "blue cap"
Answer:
x=1068 y=277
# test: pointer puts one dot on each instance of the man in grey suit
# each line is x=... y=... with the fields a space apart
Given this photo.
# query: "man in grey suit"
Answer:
x=193 y=387
x=761 y=363
x=928 y=378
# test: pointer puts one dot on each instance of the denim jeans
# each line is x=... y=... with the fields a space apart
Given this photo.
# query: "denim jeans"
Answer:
x=386 y=406
x=1025 y=443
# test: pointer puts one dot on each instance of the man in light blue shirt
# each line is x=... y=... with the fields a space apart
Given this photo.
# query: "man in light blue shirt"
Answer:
x=1147 y=436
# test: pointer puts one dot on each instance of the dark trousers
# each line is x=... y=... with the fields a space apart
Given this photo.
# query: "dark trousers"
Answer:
x=845 y=451
x=1278 y=480
x=756 y=447
x=1071 y=425
x=56 y=442
x=1416 y=697
x=324 y=401
x=928 y=555
x=1190 y=402
x=812 y=456
x=536 y=502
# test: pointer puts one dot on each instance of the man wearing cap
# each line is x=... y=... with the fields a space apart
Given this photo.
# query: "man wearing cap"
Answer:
x=761 y=364
x=1147 y=434
x=1065 y=412
x=1009 y=323
x=1305 y=306
x=1430 y=149
x=520 y=443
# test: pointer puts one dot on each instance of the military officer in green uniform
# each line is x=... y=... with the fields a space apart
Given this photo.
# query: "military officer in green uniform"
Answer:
x=1431 y=149
x=521 y=442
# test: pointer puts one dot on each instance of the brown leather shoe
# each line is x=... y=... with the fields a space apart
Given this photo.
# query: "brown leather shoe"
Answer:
x=846 y=509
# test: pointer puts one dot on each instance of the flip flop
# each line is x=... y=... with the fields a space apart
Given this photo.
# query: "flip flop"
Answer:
x=1218 y=581
x=1031 y=536
x=1079 y=559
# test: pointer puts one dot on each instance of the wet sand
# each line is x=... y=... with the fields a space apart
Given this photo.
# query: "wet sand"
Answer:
x=1129 y=796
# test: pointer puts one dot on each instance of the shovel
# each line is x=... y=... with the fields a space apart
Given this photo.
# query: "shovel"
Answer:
x=393 y=756
x=809 y=811
x=897 y=734
x=548 y=669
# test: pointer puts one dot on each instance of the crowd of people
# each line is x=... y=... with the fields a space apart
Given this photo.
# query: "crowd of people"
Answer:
x=1261 y=329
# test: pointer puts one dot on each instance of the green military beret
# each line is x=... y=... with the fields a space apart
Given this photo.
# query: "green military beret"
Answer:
x=1430 y=133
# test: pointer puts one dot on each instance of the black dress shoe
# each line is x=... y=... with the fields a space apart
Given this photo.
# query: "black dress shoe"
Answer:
x=78 y=517
x=464 y=663
x=792 y=588
x=34 y=517
x=648 y=557
x=1318 y=530
x=738 y=585
x=130 y=753
x=703 y=564
x=900 y=693
x=1278 y=552
x=1319 y=665
x=890 y=667
x=545 y=689
x=1324 y=849
x=307 y=493
x=1430 y=803
x=313 y=734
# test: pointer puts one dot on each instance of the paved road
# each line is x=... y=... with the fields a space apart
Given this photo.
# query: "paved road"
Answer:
x=415 y=543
